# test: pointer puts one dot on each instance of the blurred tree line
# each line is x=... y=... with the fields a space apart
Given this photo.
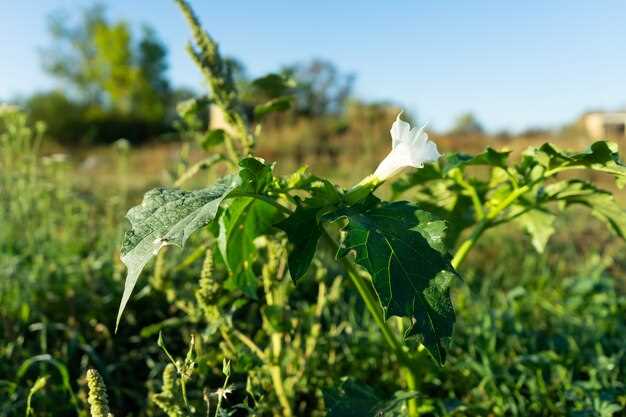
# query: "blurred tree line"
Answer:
x=113 y=84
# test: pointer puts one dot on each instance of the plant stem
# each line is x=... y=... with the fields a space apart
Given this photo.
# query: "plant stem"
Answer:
x=279 y=388
x=488 y=222
x=273 y=356
x=471 y=190
x=411 y=384
x=468 y=244
x=218 y=408
x=373 y=306
x=489 y=219
x=250 y=344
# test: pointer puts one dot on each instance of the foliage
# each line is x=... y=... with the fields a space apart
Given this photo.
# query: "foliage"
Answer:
x=116 y=85
x=403 y=247
x=544 y=340
x=290 y=295
x=528 y=193
x=99 y=60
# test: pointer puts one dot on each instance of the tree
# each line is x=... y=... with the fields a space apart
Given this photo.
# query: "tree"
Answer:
x=467 y=124
x=105 y=68
x=321 y=89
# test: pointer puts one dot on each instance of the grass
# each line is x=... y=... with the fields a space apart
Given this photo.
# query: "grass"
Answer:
x=538 y=335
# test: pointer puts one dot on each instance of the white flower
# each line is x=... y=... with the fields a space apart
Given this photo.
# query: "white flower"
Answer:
x=409 y=148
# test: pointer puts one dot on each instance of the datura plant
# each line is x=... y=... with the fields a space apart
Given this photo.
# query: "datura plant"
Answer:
x=400 y=255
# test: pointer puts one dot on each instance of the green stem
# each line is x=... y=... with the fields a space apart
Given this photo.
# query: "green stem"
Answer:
x=471 y=190
x=488 y=221
x=411 y=384
x=275 y=349
x=231 y=154
x=468 y=244
x=218 y=408
x=373 y=306
x=279 y=388
x=197 y=167
x=250 y=344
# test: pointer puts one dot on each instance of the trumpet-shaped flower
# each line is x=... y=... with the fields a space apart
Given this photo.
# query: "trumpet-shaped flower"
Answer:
x=410 y=147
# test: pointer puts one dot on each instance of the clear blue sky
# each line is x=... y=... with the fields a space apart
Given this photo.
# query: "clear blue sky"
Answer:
x=514 y=64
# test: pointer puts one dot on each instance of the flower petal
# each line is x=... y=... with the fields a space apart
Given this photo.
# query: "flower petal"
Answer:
x=400 y=131
x=410 y=148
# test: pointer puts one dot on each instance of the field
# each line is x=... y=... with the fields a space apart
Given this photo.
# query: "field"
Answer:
x=513 y=303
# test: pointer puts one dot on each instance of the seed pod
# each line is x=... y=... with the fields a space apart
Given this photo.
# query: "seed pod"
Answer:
x=97 y=399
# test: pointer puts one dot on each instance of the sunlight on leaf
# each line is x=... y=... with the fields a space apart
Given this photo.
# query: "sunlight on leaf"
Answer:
x=167 y=217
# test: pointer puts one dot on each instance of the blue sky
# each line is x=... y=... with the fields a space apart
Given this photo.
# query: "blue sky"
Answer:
x=513 y=64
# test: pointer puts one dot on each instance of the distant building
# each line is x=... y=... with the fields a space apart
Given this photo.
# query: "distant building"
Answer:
x=608 y=125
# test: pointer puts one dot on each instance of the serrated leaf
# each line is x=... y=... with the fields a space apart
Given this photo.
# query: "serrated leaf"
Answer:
x=600 y=202
x=167 y=217
x=402 y=248
x=242 y=222
x=490 y=157
x=539 y=224
x=600 y=156
x=256 y=176
x=303 y=232
x=322 y=193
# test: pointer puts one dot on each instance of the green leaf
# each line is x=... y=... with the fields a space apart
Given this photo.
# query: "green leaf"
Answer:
x=241 y=223
x=322 y=193
x=600 y=156
x=279 y=104
x=167 y=217
x=490 y=157
x=213 y=138
x=256 y=176
x=539 y=224
x=274 y=85
x=303 y=231
x=429 y=172
x=353 y=399
x=403 y=249
x=600 y=202
x=450 y=162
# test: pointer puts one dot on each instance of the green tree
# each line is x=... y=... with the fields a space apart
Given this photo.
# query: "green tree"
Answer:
x=467 y=124
x=105 y=68
x=321 y=88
